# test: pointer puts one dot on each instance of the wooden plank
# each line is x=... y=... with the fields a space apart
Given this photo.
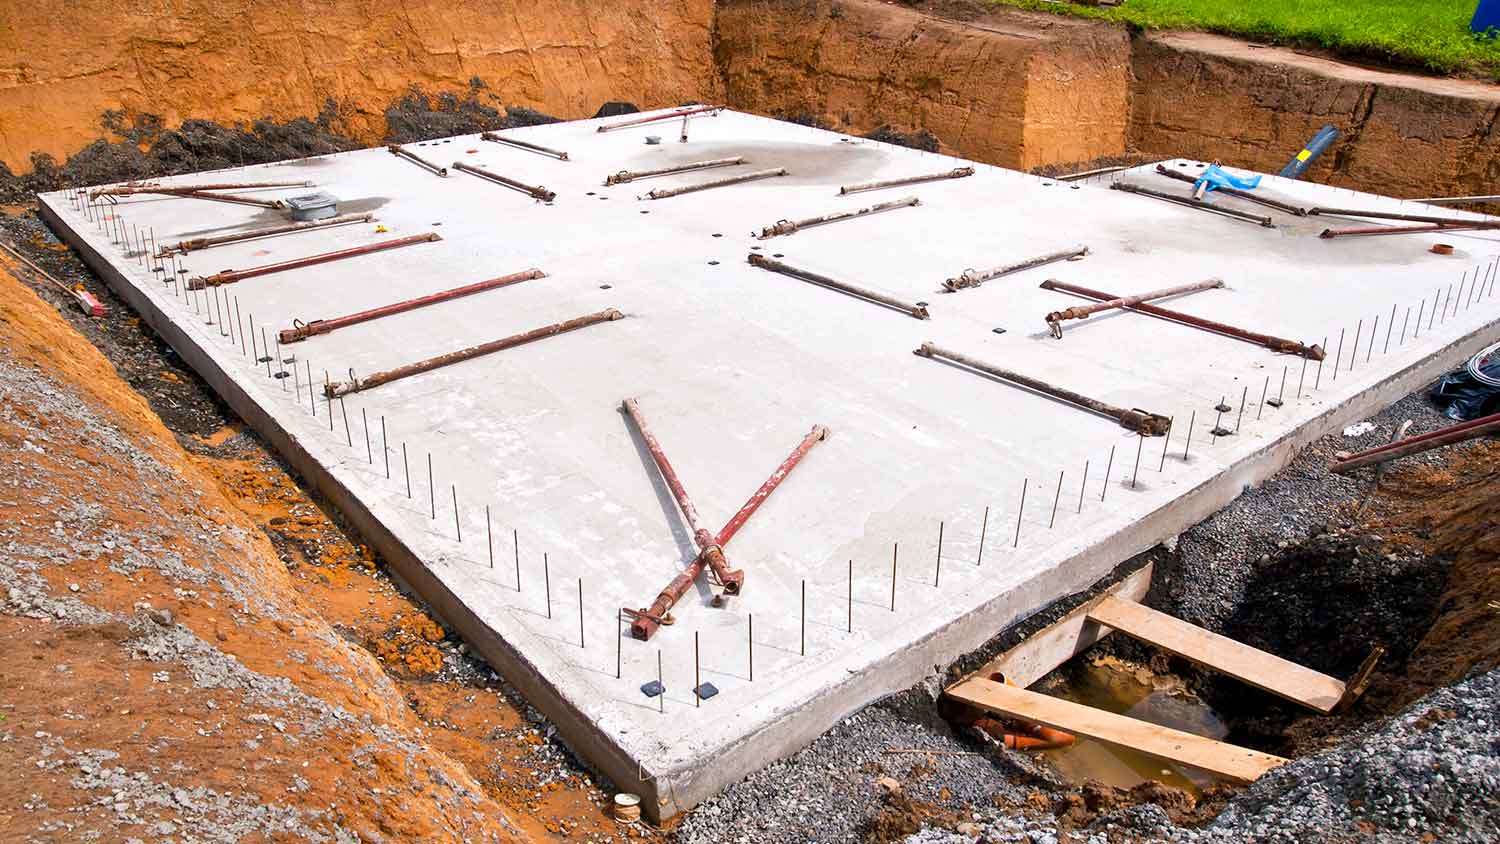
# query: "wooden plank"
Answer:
x=1240 y=764
x=1042 y=652
x=1262 y=670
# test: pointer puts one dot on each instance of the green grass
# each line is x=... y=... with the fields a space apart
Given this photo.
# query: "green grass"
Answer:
x=1429 y=34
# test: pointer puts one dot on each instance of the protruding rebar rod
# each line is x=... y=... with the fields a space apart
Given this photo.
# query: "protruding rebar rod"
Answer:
x=402 y=152
x=354 y=385
x=791 y=226
x=1188 y=201
x=974 y=278
x=955 y=173
x=303 y=330
x=1296 y=210
x=1139 y=421
x=536 y=192
x=232 y=276
x=916 y=310
x=624 y=176
x=717 y=183
x=526 y=145
x=673 y=115
x=1056 y=318
x=1278 y=344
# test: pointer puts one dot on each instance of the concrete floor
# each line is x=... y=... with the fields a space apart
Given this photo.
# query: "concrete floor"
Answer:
x=733 y=364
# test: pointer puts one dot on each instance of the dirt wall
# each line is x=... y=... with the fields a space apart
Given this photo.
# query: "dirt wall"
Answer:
x=70 y=63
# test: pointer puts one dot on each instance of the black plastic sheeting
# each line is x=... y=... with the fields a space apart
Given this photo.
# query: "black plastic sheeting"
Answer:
x=1463 y=397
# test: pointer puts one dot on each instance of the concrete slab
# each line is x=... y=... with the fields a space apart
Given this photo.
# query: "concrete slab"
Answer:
x=733 y=364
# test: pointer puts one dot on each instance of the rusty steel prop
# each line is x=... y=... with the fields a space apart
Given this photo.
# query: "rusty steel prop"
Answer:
x=182 y=247
x=646 y=621
x=303 y=330
x=131 y=189
x=641 y=121
x=1455 y=200
x=955 y=173
x=526 y=145
x=1391 y=215
x=534 y=191
x=974 y=278
x=624 y=176
x=1424 y=228
x=1056 y=318
x=1276 y=344
x=1296 y=210
x=232 y=276
x=718 y=183
x=402 y=152
x=1140 y=421
x=1474 y=428
x=792 y=226
x=1190 y=202
x=917 y=310
x=334 y=389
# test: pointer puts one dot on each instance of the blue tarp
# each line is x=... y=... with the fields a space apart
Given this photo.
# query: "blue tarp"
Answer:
x=1214 y=177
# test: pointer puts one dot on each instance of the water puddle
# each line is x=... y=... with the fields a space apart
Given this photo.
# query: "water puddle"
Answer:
x=1108 y=684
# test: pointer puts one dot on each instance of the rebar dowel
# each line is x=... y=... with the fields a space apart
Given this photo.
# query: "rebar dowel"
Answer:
x=625 y=176
x=974 y=278
x=717 y=183
x=534 y=191
x=641 y=121
x=1295 y=210
x=955 y=173
x=1139 y=421
x=1193 y=203
x=232 y=276
x=918 y=311
x=303 y=330
x=1056 y=318
x=1277 y=344
x=791 y=226
x=526 y=145
x=402 y=152
x=354 y=385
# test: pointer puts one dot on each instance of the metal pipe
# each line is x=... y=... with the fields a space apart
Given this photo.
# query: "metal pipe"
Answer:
x=534 y=191
x=232 y=276
x=233 y=199
x=1422 y=228
x=1474 y=428
x=334 y=389
x=815 y=436
x=1137 y=420
x=791 y=226
x=1099 y=171
x=624 y=176
x=1236 y=192
x=918 y=311
x=709 y=548
x=403 y=152
x=974 y=278
x=1056 y=318
x=303 y=330
x=1277 y=344
x=129 y=189
x=1392 y=215
x=955 y=173
x=501 y=139
x=641 y=121
x=186 y=246
x=1191 y=203
x=1455 y=200
x=719 y=183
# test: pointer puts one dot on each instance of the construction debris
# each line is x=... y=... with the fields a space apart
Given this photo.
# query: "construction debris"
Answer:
x=402 y=152
x=720 y=183
x=526 y=145
x=1056 y=318
x=534 y=191
x=624 y=176
x=955 y=173
x=334 y=389
x=791 y=226
x=1140 y=421
x=1277 y=344
x=232 y=276
x=973 y=278
x=918 y=310
x=1193 y=203
x=303 y=330
x=182 y=247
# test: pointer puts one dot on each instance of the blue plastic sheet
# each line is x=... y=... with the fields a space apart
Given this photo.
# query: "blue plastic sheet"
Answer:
x=1214 y=177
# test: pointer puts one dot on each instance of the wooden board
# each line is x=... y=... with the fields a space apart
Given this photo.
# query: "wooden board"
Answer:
x=1226 y=760
x=1265 y=671
x=1042 y=652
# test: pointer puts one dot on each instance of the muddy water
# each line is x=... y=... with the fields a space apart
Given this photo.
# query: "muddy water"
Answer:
x=1128 y=690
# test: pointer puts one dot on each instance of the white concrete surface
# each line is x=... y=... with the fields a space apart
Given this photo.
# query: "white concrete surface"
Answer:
x=733 y=364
